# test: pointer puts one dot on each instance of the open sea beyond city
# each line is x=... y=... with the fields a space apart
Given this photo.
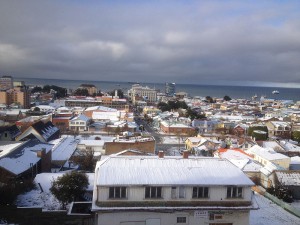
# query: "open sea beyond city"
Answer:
x=193 y=90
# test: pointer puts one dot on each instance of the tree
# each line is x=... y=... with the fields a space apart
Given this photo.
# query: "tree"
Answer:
x=226 y=98
x=85 y=160
x=81 y=92
x=36 y=89
x=119 y=93
x=296 y=136
x=163 y=106
x=193 y=114
x=210 y=99
x=69 y=187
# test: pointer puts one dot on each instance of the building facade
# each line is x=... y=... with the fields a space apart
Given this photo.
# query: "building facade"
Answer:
x=170 y=89
x=20 y=96
x=162 y=190
x=138 y=93
x=6 y=83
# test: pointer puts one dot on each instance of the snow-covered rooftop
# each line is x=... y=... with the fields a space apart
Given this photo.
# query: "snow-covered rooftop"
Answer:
x=289 y=178
x=22 y=159
x=7 y=147
x=63 y=148
x=265 y=153
x=151 y=170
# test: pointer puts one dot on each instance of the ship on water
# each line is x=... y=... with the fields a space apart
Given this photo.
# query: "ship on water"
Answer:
x=275 y=92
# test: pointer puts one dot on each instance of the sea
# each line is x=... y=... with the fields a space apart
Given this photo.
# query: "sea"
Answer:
x=193 y=90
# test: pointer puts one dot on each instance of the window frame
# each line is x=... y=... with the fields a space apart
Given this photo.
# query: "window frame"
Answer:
x=234 y=192
x=117 y=192
x=181 y=219
x=200 y=192
x=153 y=192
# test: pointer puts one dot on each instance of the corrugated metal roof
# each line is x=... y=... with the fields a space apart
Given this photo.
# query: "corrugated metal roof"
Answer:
x=148 y=170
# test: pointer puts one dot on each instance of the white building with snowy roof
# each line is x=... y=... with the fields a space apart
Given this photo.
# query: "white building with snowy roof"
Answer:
x=79 y=123
x=264 y=156
x=170 y=190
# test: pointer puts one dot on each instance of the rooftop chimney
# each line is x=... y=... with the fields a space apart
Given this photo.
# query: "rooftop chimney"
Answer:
x=161 y=154
x=185 y=154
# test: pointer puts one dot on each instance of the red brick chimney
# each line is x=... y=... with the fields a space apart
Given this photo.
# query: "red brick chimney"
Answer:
x=185 y=154
x=161 y=154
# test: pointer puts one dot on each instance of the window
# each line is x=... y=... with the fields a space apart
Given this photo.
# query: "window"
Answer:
x=181 y=219
x=200 y=192
x=181 y=192
x=234 y=192
x=117 y=192
x=173 y=192
x=153 y=192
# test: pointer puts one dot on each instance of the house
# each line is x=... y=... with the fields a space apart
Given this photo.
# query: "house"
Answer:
x=242 y=160
x=289 y=180
x=143 y=144
x=264 y=156
x=170 y=190
x=24 y=159
x=240 y=130
x=61 y=121
x=279 y=129
x=95 y=146
x=206 y=146
x=26 y=122
x=172 y=127
x=192 y=142
x=274 y=145
x=204 y=126
x=102 y=113
x=62 y=151
x=79 y=123
x=9 y=133
x=44 y=132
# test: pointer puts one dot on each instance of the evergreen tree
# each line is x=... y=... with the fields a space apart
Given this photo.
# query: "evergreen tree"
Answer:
x=69 y=187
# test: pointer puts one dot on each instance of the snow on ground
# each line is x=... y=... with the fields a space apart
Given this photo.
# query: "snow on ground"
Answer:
x=36 y=198
x=296 y=204
x=271 y=214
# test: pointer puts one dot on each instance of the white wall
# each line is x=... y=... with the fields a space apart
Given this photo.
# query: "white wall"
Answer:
x=145 y=218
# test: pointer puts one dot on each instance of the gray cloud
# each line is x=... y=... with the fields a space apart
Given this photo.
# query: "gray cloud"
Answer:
x=155 y=41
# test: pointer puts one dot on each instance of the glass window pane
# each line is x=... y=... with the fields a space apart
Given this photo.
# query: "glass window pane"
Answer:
x=234 y=192
x=123 y=192
x=240 y=192
x=147 y=192
x=117 y=192
x=181 y=192
x=205 y=192
x=111 y=192
x=158 y=192
x=195 y=191
x=228 y=192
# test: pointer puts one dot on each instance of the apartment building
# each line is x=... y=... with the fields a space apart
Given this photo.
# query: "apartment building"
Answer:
x=163 y=190
x=140 y=93
x=6 y=83
x=19 y=96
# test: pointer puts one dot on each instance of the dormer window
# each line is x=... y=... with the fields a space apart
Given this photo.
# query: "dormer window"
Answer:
x=117 y=192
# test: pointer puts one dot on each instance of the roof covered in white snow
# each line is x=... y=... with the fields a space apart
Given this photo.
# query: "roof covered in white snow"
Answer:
x=151 y=170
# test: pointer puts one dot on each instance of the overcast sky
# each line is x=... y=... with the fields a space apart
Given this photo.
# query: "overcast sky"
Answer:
x=151 y=41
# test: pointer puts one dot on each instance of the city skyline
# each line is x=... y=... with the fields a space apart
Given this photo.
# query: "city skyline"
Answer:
x=157 y=41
